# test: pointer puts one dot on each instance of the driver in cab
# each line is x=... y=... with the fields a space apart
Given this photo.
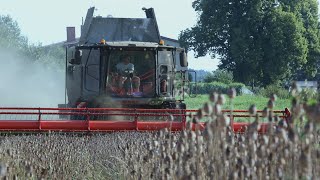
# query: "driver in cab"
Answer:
x=125 y=79
x=125 y=67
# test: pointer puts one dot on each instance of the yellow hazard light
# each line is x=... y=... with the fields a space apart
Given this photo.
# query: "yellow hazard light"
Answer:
x=102 y=41
x=161 y=42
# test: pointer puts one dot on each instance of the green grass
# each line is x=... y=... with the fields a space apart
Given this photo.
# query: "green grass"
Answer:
x=240 y=102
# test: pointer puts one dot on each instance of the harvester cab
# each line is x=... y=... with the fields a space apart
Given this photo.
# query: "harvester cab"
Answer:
x=123 y=62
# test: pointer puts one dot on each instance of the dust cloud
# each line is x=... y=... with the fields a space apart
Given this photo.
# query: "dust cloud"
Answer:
x=28 y=83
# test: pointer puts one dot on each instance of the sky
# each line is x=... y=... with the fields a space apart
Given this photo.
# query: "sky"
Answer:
x=45 y=21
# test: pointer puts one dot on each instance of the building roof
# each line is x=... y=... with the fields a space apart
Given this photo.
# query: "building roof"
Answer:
x=307 y=83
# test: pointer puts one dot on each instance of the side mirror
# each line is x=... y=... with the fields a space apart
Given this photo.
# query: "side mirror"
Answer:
x=77 y=57
x=183 y=59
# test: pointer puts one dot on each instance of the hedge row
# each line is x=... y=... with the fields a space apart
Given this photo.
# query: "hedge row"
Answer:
x=205 y=88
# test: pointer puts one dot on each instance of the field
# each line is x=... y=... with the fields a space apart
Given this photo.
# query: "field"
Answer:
x=290 y=151
x=239 y=102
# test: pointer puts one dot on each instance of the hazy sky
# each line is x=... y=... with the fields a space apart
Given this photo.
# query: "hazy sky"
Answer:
x=44 y=21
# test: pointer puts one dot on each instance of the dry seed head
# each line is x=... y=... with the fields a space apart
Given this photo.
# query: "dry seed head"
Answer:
x=294 y=102
x=207 y=108
x=273 y=97
x=192 y=135
x=160 y=133
x=270 y=104
x=155 y=143
x=208 y=132
x=265 y=112
x=184 y=135
x=200 y=114
x=307 y=141
x=297 y=110
x=189 y=124
x=200 y=140
x=166 y=131
x=294 y=85
x=308 y=128
x=221 y=99
x=294 y=89
x=217 y=109
x=181 y=148
x=195 y=120
x=232 y=93
x=226 y=120
x=253 y=110
x=213 y=97
x=171 y=118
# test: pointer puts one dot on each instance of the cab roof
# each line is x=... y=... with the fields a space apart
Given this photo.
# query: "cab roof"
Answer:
x=128 y=44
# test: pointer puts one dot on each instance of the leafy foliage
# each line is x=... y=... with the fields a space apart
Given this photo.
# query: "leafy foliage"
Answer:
x=53 y=55
x=12 y=40
x=274 y=89
x=219 y=76
x=10 y=34
x=308 y=95
x=206 y=88
x=257 y=40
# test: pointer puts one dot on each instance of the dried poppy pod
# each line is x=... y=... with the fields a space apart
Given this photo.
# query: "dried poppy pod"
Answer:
x=294 y=89
x=232 y=93
x=160 y=133
x=265 y=112
x=200 y=114
x=294 y=102
x=308 y=128
x=253 y=110
x=273 y=97
x=192 y=136
x=294 y=85
x=189 y=124
x=171 y=117
x=271 y=104
x=208 y=133
x=217 y=109
x=195 y=120
x=213 y=97
x=221 y=99
x=223 y=120
x=207 y=108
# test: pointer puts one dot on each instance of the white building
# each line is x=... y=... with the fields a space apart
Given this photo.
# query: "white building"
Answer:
x=307 y=85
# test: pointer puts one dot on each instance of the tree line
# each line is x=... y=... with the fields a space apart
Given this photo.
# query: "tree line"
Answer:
x=12 y=40
x=260 y=41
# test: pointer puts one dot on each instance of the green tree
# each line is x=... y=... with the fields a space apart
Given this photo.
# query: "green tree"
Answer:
x=308 y=14
x=218 y=75
x=10 y=34
x=12 y=40
x=53 y=55
x=257 y=40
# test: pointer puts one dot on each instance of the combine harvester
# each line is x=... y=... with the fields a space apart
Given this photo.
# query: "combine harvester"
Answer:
x=121 y=76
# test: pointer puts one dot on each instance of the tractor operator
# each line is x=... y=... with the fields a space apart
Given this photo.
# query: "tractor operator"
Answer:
x=125 y=67
x=126 y=79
